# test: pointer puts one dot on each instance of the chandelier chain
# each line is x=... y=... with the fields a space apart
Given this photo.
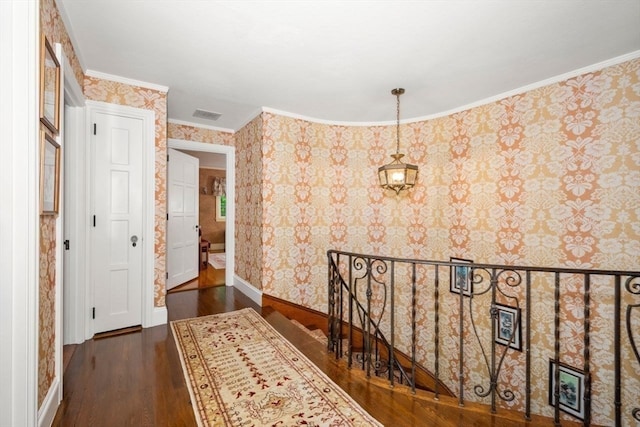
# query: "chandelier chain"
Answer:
x=398 y=122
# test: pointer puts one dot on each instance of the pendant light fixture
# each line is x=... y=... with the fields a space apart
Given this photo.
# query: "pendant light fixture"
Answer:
x=396 y=175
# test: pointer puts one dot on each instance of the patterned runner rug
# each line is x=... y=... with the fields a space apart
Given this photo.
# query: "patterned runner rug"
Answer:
x=241 y=371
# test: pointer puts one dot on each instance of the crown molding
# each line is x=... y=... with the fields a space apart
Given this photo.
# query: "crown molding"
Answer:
x=199 y=125
x=552 y=80
x=127 y=81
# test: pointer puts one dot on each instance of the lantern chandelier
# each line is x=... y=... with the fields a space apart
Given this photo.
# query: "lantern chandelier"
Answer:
x=396 y=175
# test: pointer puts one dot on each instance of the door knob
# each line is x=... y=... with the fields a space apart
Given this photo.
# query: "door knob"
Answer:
x=134 y=240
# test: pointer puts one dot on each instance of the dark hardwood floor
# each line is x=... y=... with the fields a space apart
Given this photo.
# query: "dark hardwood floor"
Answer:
x=207 y=278
x=136 y=379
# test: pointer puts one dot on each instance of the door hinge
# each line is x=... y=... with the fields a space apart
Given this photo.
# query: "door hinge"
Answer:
x=167 y=217
x=94 y=220
x=93 y=313
x=95 y=127
x=167 y=157
x=166 y=275
x=66 y=245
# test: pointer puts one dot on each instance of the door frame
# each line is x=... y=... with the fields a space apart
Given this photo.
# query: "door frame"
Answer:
x=76 y=274
x=151 y=315
x=19 y=246
x=230 y=157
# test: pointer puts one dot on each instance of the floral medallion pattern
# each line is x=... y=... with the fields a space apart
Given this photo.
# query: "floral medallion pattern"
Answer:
x=47 y=307
x=198 y=134
x=250 y=193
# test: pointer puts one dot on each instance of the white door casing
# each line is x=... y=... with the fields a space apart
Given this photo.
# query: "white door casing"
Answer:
x=183 y=249
x=151 y=315
x=116 y=223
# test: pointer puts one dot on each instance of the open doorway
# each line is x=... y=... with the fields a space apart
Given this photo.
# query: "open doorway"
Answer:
x=216 y=212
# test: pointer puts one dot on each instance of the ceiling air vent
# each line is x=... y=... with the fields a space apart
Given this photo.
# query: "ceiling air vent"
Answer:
x=207 y=115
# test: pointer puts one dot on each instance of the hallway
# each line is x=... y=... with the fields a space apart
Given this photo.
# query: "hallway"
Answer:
x=136 y=379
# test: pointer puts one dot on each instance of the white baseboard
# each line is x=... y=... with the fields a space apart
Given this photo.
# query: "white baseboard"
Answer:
x=159 y=316
x=248 y=289
x=47 y=411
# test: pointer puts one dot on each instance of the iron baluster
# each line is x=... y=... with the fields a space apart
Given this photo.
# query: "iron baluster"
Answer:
x=436 y=309
x=556 y=349
x=617 y=402
x=587 y=347
x=527 y=410
x=632 y=286
x=392 y=314
x=413 y=328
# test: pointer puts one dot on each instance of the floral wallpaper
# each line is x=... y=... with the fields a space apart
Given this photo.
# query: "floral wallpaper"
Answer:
x=150 y=99
x=53 y=28
x=549 y=177
x=251 y=194
x=47 y=307
x=197 y=134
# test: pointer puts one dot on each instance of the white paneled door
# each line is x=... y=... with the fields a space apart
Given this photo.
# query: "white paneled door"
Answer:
x=117 y=225
x=183 y=248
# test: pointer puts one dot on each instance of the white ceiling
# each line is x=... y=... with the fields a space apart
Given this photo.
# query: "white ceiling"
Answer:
x=337 y=60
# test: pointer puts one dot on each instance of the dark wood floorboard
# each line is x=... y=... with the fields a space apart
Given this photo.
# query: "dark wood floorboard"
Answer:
x=137 y=380
x=207 y=277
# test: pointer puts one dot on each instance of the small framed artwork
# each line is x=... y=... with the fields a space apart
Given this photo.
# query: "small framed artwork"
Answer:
x=571 y=398
x=507 y=326
x=221 y=208
x=49 y=87
x=49 y=174
x=461 y=277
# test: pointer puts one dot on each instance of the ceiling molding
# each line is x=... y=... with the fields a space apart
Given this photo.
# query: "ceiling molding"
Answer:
x=552 y=80
x=201 y=126
x=547 y=82
x=127 y=81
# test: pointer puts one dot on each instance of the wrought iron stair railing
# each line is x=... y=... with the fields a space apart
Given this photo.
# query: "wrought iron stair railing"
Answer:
x=368 y=346
x=556 y=342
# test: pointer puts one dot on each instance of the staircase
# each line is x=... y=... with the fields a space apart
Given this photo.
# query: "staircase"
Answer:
x=504 y=338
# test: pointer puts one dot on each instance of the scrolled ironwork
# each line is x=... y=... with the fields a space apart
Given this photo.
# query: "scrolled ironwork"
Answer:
x=512 y=279
x=492 y=285
x=632 y=285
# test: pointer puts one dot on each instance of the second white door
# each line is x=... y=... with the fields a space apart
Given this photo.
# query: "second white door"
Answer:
x=183 y=237
x=116 y=229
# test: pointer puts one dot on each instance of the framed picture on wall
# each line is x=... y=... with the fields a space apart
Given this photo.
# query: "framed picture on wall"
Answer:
x=571 y=390
x=507 y=326
x=49 y=87
x=461 y=277
x=49 y=174
x=221 y=208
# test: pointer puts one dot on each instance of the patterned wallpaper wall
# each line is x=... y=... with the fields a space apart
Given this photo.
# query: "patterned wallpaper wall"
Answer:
x=197 y=134
x=252 y=194
x=53 y=28
x=550 y=177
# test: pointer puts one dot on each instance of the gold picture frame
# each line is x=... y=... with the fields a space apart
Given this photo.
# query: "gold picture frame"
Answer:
x=49 y=87
x=49 y=175
x=221 y=208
